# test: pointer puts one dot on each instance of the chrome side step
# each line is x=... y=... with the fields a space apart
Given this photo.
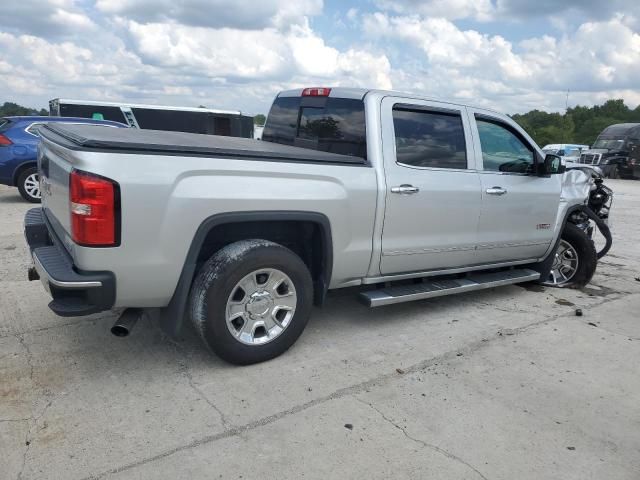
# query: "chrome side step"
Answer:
x=438 y=288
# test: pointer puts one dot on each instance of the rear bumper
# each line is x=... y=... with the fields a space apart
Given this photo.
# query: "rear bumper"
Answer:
x=75 y=292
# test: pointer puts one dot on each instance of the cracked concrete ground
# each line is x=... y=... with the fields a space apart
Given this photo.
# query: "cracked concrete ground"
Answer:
x=501 y=384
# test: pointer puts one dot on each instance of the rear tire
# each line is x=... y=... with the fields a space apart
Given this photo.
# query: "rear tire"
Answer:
x=251 y=301
x=29 y=185
x=614 y=172
x=575 y=248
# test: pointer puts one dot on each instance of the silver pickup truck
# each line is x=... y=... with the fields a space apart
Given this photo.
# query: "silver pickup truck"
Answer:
x=406 y=197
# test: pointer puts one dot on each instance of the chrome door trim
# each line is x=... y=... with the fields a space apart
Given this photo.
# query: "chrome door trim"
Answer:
x=496 y=191
x=421 y=251
x=486 y=246
x=405 y=189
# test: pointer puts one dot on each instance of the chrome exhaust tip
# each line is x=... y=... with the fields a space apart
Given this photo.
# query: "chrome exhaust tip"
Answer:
x=125 y=323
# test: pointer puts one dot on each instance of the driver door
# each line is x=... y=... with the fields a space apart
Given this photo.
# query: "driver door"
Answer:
x=519 y=208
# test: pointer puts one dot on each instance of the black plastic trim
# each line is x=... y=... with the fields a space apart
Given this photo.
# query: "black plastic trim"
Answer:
x=35 y=228
x=171 y=317
x=410 y=107
x=56 y=261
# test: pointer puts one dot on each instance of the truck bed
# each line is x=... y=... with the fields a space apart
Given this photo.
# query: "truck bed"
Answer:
x=157 y=142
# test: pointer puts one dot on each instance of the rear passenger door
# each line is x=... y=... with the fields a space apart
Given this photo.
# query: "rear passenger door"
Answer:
x=432 y=189
x=519 y=208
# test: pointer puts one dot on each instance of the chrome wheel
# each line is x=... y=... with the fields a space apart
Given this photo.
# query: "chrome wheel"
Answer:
x=261 y=306
x=565 y=265
x=32 y=185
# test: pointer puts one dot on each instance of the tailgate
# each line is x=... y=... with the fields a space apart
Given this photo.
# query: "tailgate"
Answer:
x=54 y=169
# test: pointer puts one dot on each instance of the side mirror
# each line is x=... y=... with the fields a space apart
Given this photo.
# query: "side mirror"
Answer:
x=552 y=165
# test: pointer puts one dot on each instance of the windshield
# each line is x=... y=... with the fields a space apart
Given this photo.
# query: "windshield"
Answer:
x=609 y=144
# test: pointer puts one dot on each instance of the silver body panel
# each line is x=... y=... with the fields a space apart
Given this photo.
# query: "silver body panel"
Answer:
x=449 y=226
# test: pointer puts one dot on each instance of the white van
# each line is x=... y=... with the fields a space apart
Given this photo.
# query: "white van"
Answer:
x=567 y=151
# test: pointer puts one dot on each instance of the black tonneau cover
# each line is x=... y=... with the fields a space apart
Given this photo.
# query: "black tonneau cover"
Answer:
x=159 y=142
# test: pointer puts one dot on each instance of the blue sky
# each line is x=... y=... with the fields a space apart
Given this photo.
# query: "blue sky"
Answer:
x=512 y=55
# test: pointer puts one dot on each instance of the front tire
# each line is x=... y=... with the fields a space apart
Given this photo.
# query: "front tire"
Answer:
x=614 y=172
x=575 y=260
x=29 y=185
x=251 y=301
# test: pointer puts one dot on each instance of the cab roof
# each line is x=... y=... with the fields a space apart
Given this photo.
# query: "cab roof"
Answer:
x=620 y=129
x=360 y=93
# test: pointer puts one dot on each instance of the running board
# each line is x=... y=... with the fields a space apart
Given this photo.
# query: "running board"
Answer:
x=438 y=288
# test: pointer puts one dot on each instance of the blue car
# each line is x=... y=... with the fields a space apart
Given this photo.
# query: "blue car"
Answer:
x=19 y=147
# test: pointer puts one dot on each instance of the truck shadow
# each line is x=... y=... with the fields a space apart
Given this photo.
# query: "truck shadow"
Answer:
x=14 y=198
x=339 y=324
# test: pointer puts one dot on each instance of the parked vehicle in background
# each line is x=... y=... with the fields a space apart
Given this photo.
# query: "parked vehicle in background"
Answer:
x=19 y=139
x=412 y=197
x=228 y=123
x=616 y=151
x=566 y=151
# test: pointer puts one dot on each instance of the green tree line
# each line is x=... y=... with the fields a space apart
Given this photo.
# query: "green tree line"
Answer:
x=9 y=109
x=578 y=125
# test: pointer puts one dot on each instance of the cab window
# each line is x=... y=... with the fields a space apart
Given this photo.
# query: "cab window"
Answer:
x=429 y=139
x=503 y=150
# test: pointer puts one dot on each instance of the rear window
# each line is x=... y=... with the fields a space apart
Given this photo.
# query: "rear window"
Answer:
x=335 y=125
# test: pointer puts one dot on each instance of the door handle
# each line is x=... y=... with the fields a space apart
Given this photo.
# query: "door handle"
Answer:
x=496 y=191
x=405 y=189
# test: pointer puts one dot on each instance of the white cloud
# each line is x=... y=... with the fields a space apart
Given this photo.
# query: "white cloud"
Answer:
x=445 y=44
x=482 y=68
x=46 y=18
x=258 y=55
x=71 y=20
x=239 y=14
x=482 y=10
x=237 y=55
x=589 y=9
x=211 y=52
x=494 y=10
x=584 y=61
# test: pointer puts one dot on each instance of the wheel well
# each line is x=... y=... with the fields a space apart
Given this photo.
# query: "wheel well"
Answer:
x=308 y=234
x=18 y=171
x=306 y=238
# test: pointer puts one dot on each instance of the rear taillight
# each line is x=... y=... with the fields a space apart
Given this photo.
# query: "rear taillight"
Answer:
x=316 y=92
x=4 y=141
x=95 y=210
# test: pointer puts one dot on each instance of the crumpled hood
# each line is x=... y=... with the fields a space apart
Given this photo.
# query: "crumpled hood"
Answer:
x=575 y=187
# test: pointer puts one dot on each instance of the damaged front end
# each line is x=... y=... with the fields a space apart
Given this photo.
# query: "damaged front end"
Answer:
x=598 y=199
